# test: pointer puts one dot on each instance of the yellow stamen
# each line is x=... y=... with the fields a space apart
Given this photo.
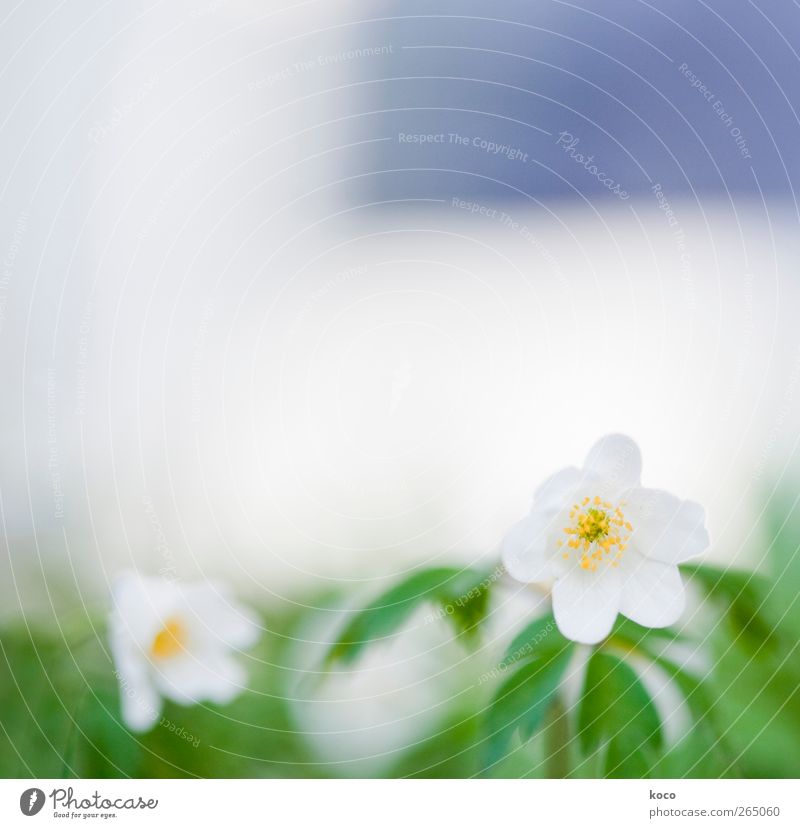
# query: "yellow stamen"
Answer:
x=598 y=529
x=169 y=640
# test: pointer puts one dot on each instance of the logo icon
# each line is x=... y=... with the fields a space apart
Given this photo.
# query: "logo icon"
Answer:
x=31 y=801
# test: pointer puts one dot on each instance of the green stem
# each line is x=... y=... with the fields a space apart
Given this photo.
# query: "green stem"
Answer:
x=557 y=739
x=70 y=743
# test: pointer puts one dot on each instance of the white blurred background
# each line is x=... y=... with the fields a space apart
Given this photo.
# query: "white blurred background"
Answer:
x=229 y=347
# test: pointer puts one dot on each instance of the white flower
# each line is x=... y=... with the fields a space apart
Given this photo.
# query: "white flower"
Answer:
x=361 y=718
x=611 y=545
x=174 y=640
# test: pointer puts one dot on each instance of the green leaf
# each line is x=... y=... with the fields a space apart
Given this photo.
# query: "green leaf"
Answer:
x=634 y=634
x=742 y=596
x=701 y=706
x=690 y=686
x=523 y=700
x=539 y=637
x=783 y=523
x=387 y=613
x=626 y=760
x=466 y=601
x=616 y=712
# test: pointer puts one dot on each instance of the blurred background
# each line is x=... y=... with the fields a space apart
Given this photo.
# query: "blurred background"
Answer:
x=305 y=295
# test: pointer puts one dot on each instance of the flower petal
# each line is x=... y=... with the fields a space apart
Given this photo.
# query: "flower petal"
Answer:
x=197 y=677
x=140 y=704
x=555 y=492
x=141 y=605
x=524 y=548
x=653 y=593
x=220 y=617
x=666 y=528
x=585 y=604
x=617 y=459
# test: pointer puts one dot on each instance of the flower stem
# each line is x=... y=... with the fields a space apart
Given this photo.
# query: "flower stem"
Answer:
x=557 y=739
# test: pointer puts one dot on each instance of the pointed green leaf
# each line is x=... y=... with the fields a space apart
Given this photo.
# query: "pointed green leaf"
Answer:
x=616 y=712
x=467 y=602
x=523 y=700
x=387 y=613
x=743 y=597
x=538 y=638
x=700 y=704
x=635 y=634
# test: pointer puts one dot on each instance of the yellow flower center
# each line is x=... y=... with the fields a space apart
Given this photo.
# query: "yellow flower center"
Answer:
x=169 y=640
x=597 y=533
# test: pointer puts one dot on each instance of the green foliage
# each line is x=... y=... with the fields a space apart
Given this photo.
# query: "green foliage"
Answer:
x=636 y=635
x=37 y=699
x=522 y=703
x=466 y=606
x=704 y=750
x=457 y=750
x=752 y=692
x=60 y=717
x=460 y=594
x=523 y=700
x=617 y=715
x=538 y=638
x=60 y=712
x=743 y=598
x=783 y=523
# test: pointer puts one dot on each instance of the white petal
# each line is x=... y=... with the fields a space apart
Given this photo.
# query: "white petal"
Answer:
x=666 y=528
x=140 y=705
x=585 y=604
x=193 y=678
x=221 y=619
x=616 y=459
x=524 y=548
x=653 y=593
x=556 y=491
x=141 y=606
x=139 y=702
